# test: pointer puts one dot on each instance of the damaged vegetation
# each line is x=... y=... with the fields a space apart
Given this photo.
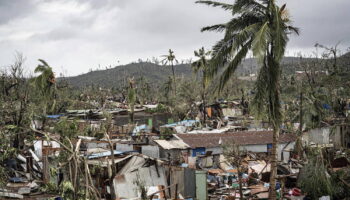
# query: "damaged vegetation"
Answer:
x=280 y=131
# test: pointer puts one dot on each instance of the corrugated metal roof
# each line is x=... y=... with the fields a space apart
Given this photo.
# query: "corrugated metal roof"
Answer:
x=104 y=154
x=240 y=138
x=105 y=162
x=172 y=144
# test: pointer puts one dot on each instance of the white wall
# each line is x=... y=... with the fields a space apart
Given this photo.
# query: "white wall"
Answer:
x=259 y=148
x=255 y=148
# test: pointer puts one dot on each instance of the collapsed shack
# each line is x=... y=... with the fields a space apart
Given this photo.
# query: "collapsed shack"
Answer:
x=31 y=168
x=140 y=175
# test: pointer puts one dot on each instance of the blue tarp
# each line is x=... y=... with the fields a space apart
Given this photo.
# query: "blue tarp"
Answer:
x=198 y=151
x=53 y=116
x=326 y=106
x=182 y=123
x=16 y=180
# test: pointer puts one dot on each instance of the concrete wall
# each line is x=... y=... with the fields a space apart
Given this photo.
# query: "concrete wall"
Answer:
x=124 y=147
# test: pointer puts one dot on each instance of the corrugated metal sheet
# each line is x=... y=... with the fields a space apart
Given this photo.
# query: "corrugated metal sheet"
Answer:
x=201 y=185
x=151 y=151
x=190 y=183
x=172 y=144
x=134 y=170
x=186 y=180
x=319 y=135
x=104 y=163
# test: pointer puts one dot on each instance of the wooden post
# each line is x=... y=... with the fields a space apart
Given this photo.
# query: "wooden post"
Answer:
x=176 y=189
x=46 y=174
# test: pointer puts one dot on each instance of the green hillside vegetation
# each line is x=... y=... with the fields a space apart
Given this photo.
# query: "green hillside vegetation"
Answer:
x=158 y=74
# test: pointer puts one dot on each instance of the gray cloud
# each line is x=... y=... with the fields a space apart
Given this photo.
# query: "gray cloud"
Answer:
x=12 y=9
x=76 y=35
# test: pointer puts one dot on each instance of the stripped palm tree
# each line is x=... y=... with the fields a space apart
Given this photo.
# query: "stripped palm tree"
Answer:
x=170 y=59
x=132 y=99
x=46 y=84
x=202 y=65
x=262 y=27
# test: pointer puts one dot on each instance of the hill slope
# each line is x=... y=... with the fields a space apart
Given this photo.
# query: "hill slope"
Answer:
x=156 y=74
x=116 y=76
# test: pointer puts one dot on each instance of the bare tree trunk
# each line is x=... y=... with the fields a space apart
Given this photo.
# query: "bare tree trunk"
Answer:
x=174 y=81
x=86 y=180
x=274 y=159
x=204 y=105
x=298 y=144
x=240 y=181
x=114 y=170
x=131 y=114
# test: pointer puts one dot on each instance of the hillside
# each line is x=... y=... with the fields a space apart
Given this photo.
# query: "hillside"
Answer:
x=156 y=74
x=115 y=77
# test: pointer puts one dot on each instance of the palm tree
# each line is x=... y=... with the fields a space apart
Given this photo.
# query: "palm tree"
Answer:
x=170 y=59
x=262 y=27
x=46 y=83
x=202 y=64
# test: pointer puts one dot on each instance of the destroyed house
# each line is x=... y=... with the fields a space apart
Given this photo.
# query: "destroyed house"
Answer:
x=251 y=141
x=172 y=150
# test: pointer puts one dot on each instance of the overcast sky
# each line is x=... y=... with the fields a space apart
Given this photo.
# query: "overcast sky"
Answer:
x=74 y=36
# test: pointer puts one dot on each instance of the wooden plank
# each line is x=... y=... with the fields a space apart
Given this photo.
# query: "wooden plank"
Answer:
x=11 y=195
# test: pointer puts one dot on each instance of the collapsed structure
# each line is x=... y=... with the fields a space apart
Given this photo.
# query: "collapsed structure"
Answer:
x=162 y=159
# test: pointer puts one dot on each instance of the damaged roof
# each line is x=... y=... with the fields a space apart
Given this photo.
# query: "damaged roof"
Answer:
x=172 y=144
x=240 y=138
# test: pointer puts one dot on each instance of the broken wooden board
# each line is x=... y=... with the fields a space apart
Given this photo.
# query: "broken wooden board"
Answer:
x=11 y=195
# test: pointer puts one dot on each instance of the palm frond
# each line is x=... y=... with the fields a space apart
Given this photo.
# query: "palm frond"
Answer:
x=239 y=23
x=242 y=6
x=217 y=27
x=260 y=97
x=232 y=66
x=293 y=29
x=260 y=42
x=43 y=62
x=225 y=6
x=280 y=39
